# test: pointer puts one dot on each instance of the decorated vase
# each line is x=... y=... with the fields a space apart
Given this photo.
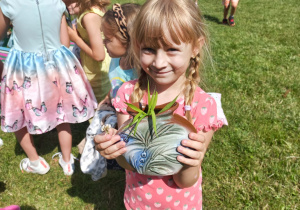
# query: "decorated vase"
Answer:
x=152 y=154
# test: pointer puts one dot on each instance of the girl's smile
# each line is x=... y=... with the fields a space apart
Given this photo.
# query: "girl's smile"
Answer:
x=167 y=64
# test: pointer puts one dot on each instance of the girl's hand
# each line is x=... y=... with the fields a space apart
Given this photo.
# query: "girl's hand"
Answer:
x=109 y=144
x=106 y=100
x=198 y=143
x=73 y=34
x=197 y=146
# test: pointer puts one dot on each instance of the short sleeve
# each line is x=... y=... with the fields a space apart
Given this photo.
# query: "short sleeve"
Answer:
x=7 y=8
x=61 y=6
x=220 y=112
x=123 y=95
x=204 y=112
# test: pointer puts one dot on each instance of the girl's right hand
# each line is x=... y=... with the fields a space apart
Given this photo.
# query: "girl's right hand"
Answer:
x=109 y=144
x=73 y=34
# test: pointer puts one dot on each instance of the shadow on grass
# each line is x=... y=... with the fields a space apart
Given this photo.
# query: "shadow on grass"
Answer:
x=47 y=142
x=106 y=193
x=212 y=19
x=2 y=187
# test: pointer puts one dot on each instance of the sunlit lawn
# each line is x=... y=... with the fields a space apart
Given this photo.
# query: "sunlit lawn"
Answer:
x=251 y=164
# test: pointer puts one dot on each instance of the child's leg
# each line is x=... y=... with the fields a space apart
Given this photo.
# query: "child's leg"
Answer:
x=27 y=144
x=226 y=4
x=65 y=140
x=234 y=4
x=1 y=68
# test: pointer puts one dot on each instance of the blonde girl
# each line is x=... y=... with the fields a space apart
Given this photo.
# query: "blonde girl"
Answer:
x=169 y=40
x=94 y=58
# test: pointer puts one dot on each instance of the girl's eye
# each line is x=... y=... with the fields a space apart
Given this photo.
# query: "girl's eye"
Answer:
x=172 y=50
x=106 y=41
x=148 y=50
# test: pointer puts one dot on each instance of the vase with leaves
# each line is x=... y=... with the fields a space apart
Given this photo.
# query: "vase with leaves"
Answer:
x=152 y=136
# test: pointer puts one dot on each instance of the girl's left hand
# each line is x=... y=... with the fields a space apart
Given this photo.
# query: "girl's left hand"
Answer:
x=194 y=148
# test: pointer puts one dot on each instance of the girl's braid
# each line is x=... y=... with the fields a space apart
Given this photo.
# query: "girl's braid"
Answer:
x=192 y=81
x=139 y=87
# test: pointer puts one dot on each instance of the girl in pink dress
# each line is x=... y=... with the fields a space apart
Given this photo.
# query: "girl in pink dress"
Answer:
x=169 y=42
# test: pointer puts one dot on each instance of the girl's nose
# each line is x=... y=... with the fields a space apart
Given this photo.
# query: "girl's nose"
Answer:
x=160 y=60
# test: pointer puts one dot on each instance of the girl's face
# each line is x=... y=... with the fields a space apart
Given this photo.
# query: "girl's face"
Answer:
x=167 y=64
x=114 y=46
x=73 y=9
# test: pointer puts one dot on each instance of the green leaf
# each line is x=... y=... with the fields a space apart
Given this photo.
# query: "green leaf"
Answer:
x=148 y=94
x=135 y=119
x=155 y=95
x=142 y=117
x=154 y=121
x=150 y=104
x=153 y=102
x=134 y=108
x=168 y=106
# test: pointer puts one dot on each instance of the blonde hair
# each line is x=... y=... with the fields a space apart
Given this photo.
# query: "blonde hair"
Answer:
x=184 y=22
x=88 y=4
x=130 y=12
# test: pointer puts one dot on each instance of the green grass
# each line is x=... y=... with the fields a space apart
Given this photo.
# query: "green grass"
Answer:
x=251 y=164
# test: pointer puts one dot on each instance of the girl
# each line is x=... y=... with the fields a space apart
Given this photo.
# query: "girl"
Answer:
x=116 y=26
x=169 y=39
x=94 y=58
x=73 y=10
x=43 y=85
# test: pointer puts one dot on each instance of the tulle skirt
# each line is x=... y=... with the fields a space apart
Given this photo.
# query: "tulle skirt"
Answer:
x=40 y=91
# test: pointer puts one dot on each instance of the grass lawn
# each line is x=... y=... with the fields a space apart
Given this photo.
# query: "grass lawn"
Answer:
x=251 y=164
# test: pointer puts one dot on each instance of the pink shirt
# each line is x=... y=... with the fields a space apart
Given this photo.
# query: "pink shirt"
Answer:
x=161 y=192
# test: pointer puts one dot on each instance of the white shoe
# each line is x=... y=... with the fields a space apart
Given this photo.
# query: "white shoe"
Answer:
x=42 y=168
x=69 y=167
x=1 y=142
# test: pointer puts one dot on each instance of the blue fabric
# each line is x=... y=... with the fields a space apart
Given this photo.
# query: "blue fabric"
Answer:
x=118 y=76
x=42 y=84
x=25 y=17
x=91 y=162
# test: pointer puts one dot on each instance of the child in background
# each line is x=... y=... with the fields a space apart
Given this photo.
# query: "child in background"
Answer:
x=116 y=26
x=227 y=4
x=169 y=40
x=73 y=10
x=94 y=58
x=43 y=85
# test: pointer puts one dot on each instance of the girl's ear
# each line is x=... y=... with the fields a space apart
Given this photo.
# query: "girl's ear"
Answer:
x=199 y=44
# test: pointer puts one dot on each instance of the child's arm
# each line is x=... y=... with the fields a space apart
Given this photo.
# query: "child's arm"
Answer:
x=4 y=24
x=110 y=146
x=92 y=24
x=198 y=143
x=64 y=36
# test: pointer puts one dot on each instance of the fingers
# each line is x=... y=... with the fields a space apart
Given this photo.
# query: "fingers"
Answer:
x=192 y=154
x=188 y=161
x=197 y=137
x=109 y=145
x=114 y=151
x=105 y=145
x=193 y=148
x=74 y=27
x=189 y=156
